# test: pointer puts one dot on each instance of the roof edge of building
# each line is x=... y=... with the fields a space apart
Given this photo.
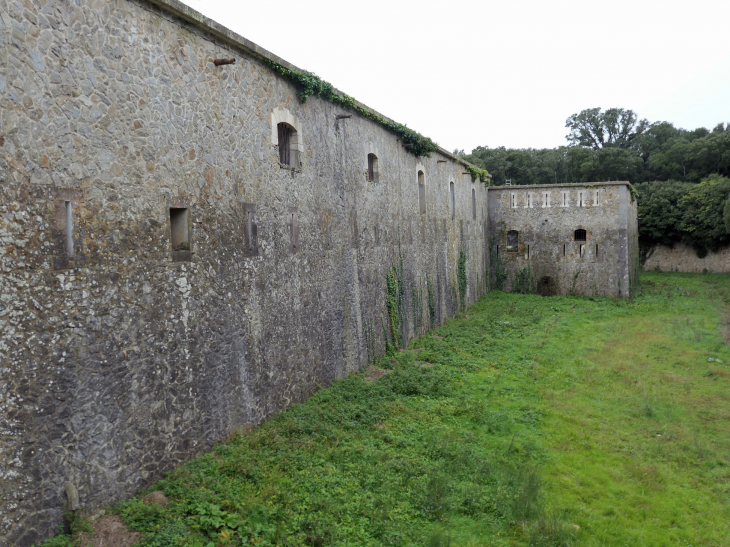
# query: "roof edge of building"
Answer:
x=197 y=19
x=572 y=184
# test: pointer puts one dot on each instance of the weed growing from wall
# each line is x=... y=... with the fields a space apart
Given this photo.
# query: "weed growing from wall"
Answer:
x=431 y=302
x=395 y=302
x=461 y=276
x=370 y=342
x=417 y=305
x=574 y=282
x=499 y=276
x=523 y=281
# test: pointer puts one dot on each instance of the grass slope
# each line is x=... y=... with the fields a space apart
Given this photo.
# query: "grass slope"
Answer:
x=536 y=421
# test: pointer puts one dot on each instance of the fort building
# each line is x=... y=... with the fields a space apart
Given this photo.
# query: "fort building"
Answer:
x=579 y=239
x=186 y=247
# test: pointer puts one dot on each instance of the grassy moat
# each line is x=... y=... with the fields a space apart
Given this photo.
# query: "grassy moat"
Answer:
x=530 y=421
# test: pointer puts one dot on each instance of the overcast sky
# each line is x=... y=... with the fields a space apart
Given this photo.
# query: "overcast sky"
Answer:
x=508 y=72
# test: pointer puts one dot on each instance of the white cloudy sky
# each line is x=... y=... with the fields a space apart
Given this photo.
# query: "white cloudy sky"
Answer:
x=507 y=72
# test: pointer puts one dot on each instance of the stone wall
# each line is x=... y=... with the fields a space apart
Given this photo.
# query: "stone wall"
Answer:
x=546 y=219
x=683 y=258
x=126 y=357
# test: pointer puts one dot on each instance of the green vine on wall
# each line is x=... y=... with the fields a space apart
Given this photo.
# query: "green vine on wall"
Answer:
x=461 y=276
x=476 y=173
x=431 y=302
x=394 y=303
x=309 y=84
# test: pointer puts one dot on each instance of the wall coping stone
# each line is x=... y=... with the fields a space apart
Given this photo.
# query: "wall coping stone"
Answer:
x=568 y=184
x=197 y=19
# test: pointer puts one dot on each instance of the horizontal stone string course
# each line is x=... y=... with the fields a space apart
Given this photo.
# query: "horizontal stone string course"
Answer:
x=204 y=285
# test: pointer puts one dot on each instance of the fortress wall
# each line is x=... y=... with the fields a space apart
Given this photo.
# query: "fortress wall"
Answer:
x=683 y=258
x=123 y=360
x=548 y=231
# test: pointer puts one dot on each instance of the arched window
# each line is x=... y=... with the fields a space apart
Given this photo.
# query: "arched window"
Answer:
x=453 y=200
x=421 y=193
x=513 y=238
x=287 y=141
x=372 y=168
x=580 y=235
x=473 y=204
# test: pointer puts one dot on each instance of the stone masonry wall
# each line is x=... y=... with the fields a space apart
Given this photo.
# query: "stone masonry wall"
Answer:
x=601 y=265
x=126 y=358
x=683 y=258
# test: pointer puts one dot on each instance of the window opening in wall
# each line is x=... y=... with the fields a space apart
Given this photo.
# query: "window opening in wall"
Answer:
x=514 y=200
x=596 y=199
x=529 y=199
x=546 y=199
x=421 y=193
x=288 y=154
x=179 y=237
x=513 y=237
x=580 y=199
x=565 y=199
x=563 y=250
x=596 y=250
x=372 y=168
x=473 y=204
x=580 y=235
x=580 y=250
x=69 y=229
x=453 y=200
x=497 y=250
x=528 y=252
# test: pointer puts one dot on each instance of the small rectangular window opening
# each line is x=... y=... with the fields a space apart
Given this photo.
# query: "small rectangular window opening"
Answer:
x=284 y=143
x=69 y=229
x=528 y=252
x=372 y=168
x=497 y=250
x=421 y=193
x=596 y=250
x=546 y=199
x=580 y=199
x=179 y=237
x=596 y=199
x=580 y=250
x=563 y=250
x=565 y=199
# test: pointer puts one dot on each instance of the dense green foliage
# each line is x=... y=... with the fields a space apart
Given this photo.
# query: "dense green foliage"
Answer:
x=694 y=214
x=309 y=84
x=613 y=145
x=535 y=422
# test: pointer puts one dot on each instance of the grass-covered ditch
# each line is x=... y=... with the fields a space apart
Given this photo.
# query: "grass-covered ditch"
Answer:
x=530 y=421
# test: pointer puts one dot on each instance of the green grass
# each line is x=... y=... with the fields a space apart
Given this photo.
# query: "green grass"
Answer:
x=536 y=421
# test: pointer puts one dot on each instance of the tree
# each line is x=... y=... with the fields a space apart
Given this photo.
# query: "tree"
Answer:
x=660 y=215
x=616 y=127
x=703 y=220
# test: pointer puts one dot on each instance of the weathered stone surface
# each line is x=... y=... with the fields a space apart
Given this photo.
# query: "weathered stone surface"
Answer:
x=127 y=358
x=546 y=218
x=683 y=258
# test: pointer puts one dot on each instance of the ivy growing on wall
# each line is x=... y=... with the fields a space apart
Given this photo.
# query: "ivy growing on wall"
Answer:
x=309 y=84
x=476 y=173
x=461 y=275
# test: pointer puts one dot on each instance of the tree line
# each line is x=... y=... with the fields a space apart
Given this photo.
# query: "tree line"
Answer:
x=681 y=175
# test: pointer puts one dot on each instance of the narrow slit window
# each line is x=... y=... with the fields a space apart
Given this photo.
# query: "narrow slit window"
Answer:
x=497 y=250
x=514 y=200
x=581 y=250
x=580 y=235
x=546 y=199
x=69 y=229
x=453 y=200
x=372 y=168
x=473 y=204
x=179 y=236
x=596 y=198
x=596 y=250
x=580 y=199
x=565 y=199
x=563 y=250
x=528 y=252
x=421 y=193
